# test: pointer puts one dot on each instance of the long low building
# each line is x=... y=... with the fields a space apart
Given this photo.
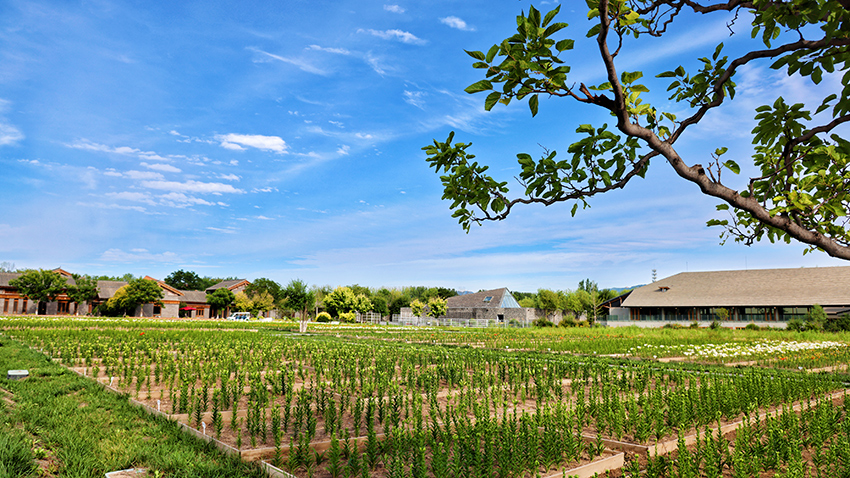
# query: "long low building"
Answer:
x=192 y=303
x=769 y=297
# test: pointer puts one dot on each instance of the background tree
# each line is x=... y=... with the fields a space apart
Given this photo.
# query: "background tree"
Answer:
x=548 y=301
x=140 y=292
x=84 y=290
x=437 y=307
x=7 y=267
x=261 y=285
x=39 y=285
x=301 y=298
x=341 y=300
x=189 y=280
x=417 y=308
x=220 y=299
x=800 y=188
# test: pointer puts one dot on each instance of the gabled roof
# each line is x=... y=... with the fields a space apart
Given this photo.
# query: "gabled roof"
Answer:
x=496 y=298
x=827 y=286
x=106 y=288
x=5 y=277
x=229 y=284
x=194 y=296
x=164 y=285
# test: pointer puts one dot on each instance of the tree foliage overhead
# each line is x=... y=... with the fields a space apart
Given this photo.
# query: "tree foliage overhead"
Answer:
x=802 y=188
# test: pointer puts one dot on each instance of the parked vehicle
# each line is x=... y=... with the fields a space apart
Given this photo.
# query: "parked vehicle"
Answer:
x=245 y=316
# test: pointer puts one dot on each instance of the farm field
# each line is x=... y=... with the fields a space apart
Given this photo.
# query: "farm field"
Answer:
x=344 y=401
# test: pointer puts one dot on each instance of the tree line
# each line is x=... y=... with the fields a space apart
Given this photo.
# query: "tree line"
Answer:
x=584 y=302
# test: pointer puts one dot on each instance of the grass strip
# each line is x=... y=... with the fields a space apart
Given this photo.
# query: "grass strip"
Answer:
x=56 y=423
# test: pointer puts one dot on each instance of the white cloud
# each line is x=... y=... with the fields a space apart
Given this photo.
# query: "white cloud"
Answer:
x=137 y=255
x=102 y=148
x=229 y=177
x=264 y=190
x=301 y=64
x=166 y=168
x=192 y=186
x=264 y=218
x=394 y=8
x=267 y=143
x=229 y=230
x=402 y=36
x=182 y=200
x=343 y=150
x=373 y=62
x=414 y=98
x=142 y=175
x=456 y=22
x=9 y=134
x=131 y=196
x=338 y=51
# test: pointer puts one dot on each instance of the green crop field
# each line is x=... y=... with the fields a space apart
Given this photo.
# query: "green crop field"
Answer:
x=347 y=401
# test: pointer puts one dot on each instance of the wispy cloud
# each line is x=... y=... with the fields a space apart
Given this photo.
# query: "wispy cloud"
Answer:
x=137 y=255
x=457 y=23
x=302 y=64
x=238 y=142
x=343 y=150
x=192 y=186
x=338 y=51
x=9 y=134
x=166 y=168
x=415 y=98
x=394 y=8
x=402 y=36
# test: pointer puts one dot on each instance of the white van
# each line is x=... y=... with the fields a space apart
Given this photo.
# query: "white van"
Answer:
x=240 y=316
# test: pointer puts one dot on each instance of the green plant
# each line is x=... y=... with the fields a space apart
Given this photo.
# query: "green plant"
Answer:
x=323 y=317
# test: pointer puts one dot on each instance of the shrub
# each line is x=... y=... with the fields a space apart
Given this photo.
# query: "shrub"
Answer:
x=815 y=318
x=542 y=322
x=838 y=325
x=796 y=324
x=323 y=317
x=715 y=324
x=694 y=325
x=569 y=320
x=347 y=317
x=752 y=326
x=514 y=323
x=672 y=326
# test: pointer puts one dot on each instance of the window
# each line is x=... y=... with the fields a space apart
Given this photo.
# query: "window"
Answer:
x=488 y=299
x=5 y=305
x=15 y=307
x=62 y=307
x=157 y=310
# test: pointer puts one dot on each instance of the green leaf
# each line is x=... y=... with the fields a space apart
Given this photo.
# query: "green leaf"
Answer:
x=628 y=77
x=722 y=207
x=475 y=54
x=720 y=151
x=565 y=45
x=491 y=53
x=549 y=16
x=478 y=86
x=491 y=100
x=585 y=128
x=532 y=103
x=733 y=166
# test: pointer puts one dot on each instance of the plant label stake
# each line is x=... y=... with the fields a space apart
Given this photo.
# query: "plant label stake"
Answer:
x=204 y=426
x=84 y=371
x=157 y=406
x=111 y=379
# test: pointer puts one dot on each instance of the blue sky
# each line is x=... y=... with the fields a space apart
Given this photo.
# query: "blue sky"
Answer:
x=282 y=140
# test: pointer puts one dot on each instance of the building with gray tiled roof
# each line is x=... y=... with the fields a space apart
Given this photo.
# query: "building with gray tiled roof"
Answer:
x=765 y=297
